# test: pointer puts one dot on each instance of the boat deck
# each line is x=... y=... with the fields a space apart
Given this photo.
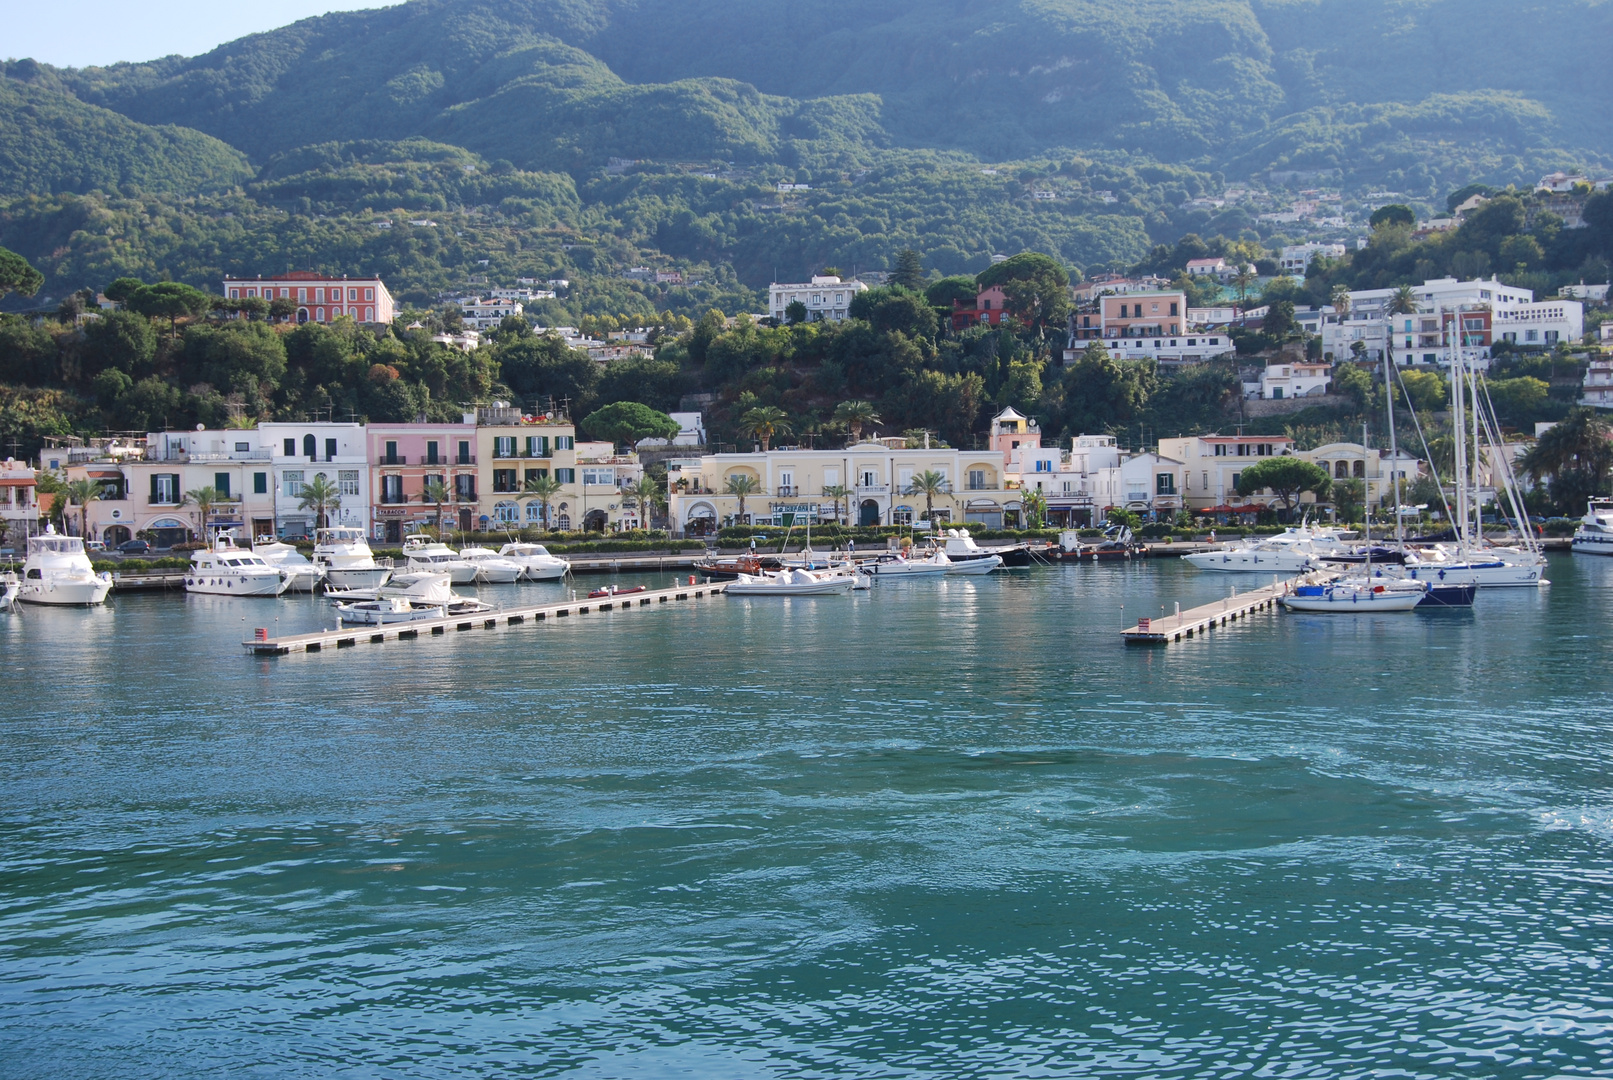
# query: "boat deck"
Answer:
x=343 y=637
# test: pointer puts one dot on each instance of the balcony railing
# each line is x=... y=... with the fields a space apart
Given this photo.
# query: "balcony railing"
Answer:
x=788 y=492
x=393 y=500
x=873 y=489
x=235 y=455
x=463 y=459
x=394 y=459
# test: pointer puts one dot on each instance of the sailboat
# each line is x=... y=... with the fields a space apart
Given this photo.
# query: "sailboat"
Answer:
x=1473 y=559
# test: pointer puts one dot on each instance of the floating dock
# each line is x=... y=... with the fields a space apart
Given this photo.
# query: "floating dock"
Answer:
x=1196 y=621
x=348 y=636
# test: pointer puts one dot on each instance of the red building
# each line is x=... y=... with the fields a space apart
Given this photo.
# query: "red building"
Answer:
x=989 y=309
x=319 y=298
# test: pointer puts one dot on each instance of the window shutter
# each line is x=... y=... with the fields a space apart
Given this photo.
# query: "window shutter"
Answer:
x=153 y=487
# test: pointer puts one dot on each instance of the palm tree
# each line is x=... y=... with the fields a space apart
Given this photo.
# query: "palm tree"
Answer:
x=81 y=493
x=1341 y=301
x=765 y=421
x=741 y=484
x=1242 y=280
x=853 y=415
x=542 y=488
x=436 y=492
x=840 y=493
x=648 y=494
x=1404 y=301
x=205 y=499
x=1576 y=454
x=320 y=496
x=928 y=484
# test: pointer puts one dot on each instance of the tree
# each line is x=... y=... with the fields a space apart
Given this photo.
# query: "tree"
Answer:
x=943 y=293
x=1348 y=498
x=853 y=415
x=1340 y=299
x=121 y=340
x=1391 y=215
x=795 y=312
x=909 y=272
x=1241 y=281
x=436 y=493
x=764 y=422
x=929 y=484
x=81 y=493
x=840 y=494
x=169 y=300
x=1404 y=301
x=1576 y=455
x=542 y=488
x=205 y=499
x=1037 y=287
x=741 y=484
x=122 y=288
x=1035 y=507
x=628 y=422
x=320 y=496
x=1279 y=324
x=17 y=276
x=1287 y=477
x=647 y=493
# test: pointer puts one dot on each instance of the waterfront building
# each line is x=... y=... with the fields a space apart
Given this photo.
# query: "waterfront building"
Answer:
x=319 y=297
x=403 y=459
x=1373 y=467
x=1291 y=379
x=301 y=452
x=1082 y=484
x=790 y=484
x=19 y=505
x=1597 y=389
x=514 y=447
x=1211 y=465
x=825 y=297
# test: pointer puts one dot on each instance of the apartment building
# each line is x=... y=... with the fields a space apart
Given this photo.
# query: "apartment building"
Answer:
x=19 y=505
x=1597 y=389
x=319 y=297
x=148 y=494
x=302 y=452
x=826 y=297
x=1212 y=464
x=1474 y=314
x=1297 y=258
x=404 y=459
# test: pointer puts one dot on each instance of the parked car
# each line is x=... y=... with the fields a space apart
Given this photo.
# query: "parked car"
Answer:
x=297 y=538
x=133 y=547
x=95 y=545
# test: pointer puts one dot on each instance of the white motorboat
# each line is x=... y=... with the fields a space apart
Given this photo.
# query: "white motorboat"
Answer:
x=226 y=570
x=894 y=566
x=794 y=581
x=347 y=561
x=960 y=550
x=423 y=553
x=985 y=564
x=1293 y=551
x=301 y=575
x=10 y=586
x=1488 y=568
x=491 y=568
x=419 y=586
x=1356 y=596
x=384 y=612
x=1595 y=533
x=536 y=562
x=57 y=571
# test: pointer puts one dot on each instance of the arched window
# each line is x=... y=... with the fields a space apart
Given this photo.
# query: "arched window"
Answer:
x=1341 y=469
x=563 y=522
x=310 y=449
x=506 y=513
x=1360 y=470
x=534 y=512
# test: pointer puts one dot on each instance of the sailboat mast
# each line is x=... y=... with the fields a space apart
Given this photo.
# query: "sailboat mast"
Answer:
x=1394 y=453
x=1459 y=427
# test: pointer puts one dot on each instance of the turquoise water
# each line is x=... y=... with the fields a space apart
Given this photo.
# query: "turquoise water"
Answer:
x=939 y=829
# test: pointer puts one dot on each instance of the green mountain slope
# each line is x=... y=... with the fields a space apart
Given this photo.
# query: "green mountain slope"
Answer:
x=50 y=142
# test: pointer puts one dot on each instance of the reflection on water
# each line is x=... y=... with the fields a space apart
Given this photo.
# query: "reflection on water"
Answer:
x=937 y=829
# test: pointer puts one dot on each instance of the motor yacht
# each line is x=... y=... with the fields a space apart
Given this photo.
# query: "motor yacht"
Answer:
x=795 y=581
x=422 y=586
x=385 y=612
x=226 y=570
x=960 y=549
x=345 y=557
x=421 y=552
x=10 y=585
x=301 y=575
x=894 y=566
x=1356 y=596
x=1595 y=533
x=1293 y=551
x=491 y=568
x=536 y=562
x=58 y=571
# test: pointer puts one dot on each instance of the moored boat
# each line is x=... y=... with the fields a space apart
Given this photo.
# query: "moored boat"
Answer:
x=301 y=575
x=226 y=570
x=421 y=552
x=345 y=557
x=535 y=561
x=1595 y=533
x=491 y=568
x=792 y=582
x=57 y=572
x=1356 y=596
x=10 y=585
x=714 y=569
x=391 y=610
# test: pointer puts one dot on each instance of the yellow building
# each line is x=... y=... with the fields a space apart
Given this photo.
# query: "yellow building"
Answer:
x=512 y=449
x=869 y=484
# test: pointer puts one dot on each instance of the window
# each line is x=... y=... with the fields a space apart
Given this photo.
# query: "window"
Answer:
x=537 y=446
x=1164 y=483
x=291 y=483
x=565 y=442
x=164 y=488
x=302 y=296
x=606 y=477
x=902 y=515
x=221 y=483
x=243 y=448
x=391 y=455
x=392 y=489
x=534 y=512
x=464 y=453
x=977 y=479
x=347 y=481
x=431 y=453
x=352 y=294
x=1361 y=470
x=291 y=447
x=465 y=487
x=533 y=474
x=504 y=446
x=831 y=478
x=1174 y=311
x=504 y=480
x=310 y=448
x=506 y=513
x=330 y=449
x=1235 y=480
x=566 y=476
x=870 y=478
x=369 y=294
x=260 y=483
x=1220 y=449
x=1204 y=481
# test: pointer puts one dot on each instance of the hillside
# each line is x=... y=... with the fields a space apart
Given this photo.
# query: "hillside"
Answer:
x=51 y=142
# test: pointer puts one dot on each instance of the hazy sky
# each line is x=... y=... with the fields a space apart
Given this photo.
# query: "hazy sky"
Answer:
x=87 y=32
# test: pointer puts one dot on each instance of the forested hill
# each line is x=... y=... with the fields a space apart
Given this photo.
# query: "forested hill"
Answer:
x=1389 y=91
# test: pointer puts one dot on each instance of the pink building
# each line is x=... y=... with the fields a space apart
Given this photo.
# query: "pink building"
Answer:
x=404 y=458
x=319 y=298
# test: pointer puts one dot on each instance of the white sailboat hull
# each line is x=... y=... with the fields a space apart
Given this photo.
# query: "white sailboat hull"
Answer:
x=1486 y=574
x=1348 y=600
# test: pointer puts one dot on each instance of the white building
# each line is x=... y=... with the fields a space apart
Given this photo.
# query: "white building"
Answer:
x=300 y=452
x=1598 y=385
x=319 y=298
x=1417 y=335
x=1545 y=324
x=1297 y=258
x=1596 y=294
x=1216 y=268
x=1280 y=381
x=691 y=432
x=1374 y=467
x=1203 y=318
x=825 y=298
x=487 y=314
x=1211 y=465
x=19 y=506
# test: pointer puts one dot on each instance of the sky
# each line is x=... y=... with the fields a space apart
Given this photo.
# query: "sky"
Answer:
x=105 y=31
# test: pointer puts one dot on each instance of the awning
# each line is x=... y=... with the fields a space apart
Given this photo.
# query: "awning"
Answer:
x=1231 y=510
x=16 y=483
x=104 y=474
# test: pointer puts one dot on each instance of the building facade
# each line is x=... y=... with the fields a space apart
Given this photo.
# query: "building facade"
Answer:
x=825 y=298
x=403 y=460
x=877 y=476
x=1291 y=380
x=1212 y=464
x=302 y=452
x=320 y=298
x=19 y=505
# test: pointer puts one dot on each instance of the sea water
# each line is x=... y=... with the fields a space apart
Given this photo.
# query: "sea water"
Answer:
x=938 y=829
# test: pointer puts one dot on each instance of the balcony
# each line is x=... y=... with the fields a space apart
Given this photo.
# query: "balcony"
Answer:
x=394 y=459
x=788 y=492
x=235 y=455
x=873 y=489
x=393 y=500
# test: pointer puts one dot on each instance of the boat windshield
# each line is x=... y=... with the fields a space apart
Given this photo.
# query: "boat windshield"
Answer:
x=340 y=536
x=55 y=545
